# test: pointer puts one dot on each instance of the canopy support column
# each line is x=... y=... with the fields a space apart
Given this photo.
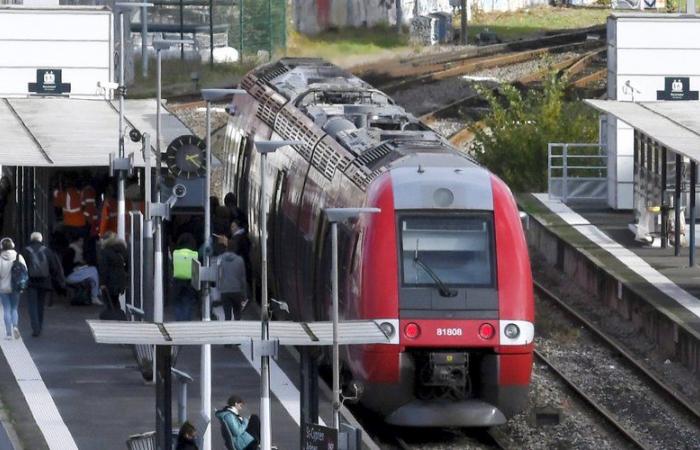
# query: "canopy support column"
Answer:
x=677 y=207
x=693 y=179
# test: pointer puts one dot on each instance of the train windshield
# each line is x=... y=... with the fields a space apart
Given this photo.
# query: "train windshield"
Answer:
x=456 y=250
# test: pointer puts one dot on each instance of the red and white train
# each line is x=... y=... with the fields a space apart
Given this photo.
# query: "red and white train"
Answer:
x=446 y=258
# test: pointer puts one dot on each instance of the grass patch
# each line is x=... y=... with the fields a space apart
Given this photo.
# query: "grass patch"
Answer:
x=535 y=21
x=338 y=44
x=176 y=77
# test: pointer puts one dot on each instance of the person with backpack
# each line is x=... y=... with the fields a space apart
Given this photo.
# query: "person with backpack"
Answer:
x=40 y=260
x=185 y=295
x=231 y=281
x=112 y=263
x=13 y=280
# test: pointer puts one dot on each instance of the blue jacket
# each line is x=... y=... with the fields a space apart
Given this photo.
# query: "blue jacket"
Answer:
x=233 y=430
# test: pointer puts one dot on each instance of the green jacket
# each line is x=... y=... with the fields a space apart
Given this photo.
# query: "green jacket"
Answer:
x=233 y=429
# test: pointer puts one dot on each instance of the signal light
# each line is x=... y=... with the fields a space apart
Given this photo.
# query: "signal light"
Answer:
x=486 y=331
x=411 y=330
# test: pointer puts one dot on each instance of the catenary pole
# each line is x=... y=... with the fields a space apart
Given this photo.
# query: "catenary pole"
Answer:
x=265 y=421
x=206 y=348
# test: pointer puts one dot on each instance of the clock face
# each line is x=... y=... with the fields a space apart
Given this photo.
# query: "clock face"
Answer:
x=186 y=157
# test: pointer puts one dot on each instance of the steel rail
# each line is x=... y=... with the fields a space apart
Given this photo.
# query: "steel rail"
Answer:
x=592 y=403
x=619 y=348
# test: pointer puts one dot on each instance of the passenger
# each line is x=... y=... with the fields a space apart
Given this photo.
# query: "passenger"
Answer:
x=232 y=281
x=42 y=266
x=83 y=271
x=112 y=262
x=186 y=437
x=184 y=294
x=10 y=299
x=230 y=202
x=239 y=433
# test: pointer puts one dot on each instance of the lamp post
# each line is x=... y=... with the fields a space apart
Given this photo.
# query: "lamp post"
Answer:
x=159 y=44
x=208 y=95
x=265 y=147
x=334 y=216
x=121 y=91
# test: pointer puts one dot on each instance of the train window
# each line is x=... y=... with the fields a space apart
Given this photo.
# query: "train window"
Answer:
x=457 y=250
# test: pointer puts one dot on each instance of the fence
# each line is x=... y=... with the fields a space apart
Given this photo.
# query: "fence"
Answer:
x=577 y=172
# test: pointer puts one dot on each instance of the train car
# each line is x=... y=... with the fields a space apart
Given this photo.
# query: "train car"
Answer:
x=445 y=259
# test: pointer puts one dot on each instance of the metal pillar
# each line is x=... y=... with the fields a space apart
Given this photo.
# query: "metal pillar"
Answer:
x=265 y=420
x=693 y=180
x=206 y=313
x=163 y=398
x=309 y=387
x=664 y=206
x=147 y=235
x=463 y=19
x=121 y=203
x=399 y=16
x=336 y=350
x=677 y=207
x=144 y=41
x=158 y=244
x=182 y=27
x=211 y=37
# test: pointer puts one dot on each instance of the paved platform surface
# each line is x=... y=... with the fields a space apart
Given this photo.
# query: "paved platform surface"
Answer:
x=102 y=398
x=603 y=234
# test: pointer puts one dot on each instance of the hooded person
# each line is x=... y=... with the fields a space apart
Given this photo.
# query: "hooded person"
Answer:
x=112 y=266
x=43 y=267
x=10 y=299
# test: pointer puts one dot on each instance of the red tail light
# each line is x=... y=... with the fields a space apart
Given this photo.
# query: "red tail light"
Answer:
x=411 y=330
x=486 y=331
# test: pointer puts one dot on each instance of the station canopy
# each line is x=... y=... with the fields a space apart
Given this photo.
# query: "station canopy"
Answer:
x=673 y=124
x=63 y=132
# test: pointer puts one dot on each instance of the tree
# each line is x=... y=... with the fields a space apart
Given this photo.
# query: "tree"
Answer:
x=513 y=139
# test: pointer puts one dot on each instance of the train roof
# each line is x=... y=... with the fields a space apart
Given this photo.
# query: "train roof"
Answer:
x=345 y=122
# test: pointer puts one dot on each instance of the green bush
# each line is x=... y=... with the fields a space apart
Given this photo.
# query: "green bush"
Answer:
x=513 y=140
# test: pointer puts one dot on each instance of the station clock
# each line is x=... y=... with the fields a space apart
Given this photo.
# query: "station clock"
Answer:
x=186 y=157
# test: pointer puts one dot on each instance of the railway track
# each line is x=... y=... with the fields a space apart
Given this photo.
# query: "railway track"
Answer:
x=671 y=416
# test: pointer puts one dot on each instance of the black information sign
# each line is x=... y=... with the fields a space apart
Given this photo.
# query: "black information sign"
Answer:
x=677 y=88
x=317 y=437
x=48 y=82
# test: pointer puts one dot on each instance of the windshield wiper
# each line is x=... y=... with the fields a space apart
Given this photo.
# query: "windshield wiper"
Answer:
x=444 y=290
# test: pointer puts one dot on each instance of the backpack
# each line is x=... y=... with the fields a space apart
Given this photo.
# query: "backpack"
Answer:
x=38 y=263
x=19 y=277
x=226 y=281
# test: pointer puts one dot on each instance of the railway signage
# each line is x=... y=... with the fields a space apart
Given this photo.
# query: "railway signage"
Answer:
x=676 y=88
x=49 y=82
x=318 y=437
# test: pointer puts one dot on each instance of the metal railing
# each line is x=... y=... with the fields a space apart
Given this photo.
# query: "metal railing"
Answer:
x=577 y=171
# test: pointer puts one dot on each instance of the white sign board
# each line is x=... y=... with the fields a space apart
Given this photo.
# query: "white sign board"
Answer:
x=56 y=51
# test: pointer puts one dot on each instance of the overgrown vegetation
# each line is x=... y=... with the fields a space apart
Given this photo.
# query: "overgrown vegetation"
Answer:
x=513 y=143
x=341 y=43
x=533 y=21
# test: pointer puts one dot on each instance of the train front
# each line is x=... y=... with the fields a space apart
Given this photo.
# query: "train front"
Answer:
x=447 y=256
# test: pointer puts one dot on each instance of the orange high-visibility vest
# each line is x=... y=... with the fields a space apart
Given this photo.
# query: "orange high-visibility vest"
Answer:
x=108 y=219
x=69 y=202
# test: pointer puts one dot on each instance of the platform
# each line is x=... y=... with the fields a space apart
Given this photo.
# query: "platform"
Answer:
x=650 y=286
x=100 y=397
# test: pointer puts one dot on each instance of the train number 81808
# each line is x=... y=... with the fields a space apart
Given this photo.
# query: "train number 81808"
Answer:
x=449 y=331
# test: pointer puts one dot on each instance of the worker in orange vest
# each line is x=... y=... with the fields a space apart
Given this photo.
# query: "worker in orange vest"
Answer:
x=108 y=216
x=88 y=197
x=69 y=200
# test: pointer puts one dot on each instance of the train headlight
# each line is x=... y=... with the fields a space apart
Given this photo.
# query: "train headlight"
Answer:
x=388 y=329
x=511 y=331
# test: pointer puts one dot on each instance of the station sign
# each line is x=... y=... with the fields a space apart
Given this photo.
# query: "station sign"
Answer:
x=318 y=437
x=49 y=82
x=677 y=88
